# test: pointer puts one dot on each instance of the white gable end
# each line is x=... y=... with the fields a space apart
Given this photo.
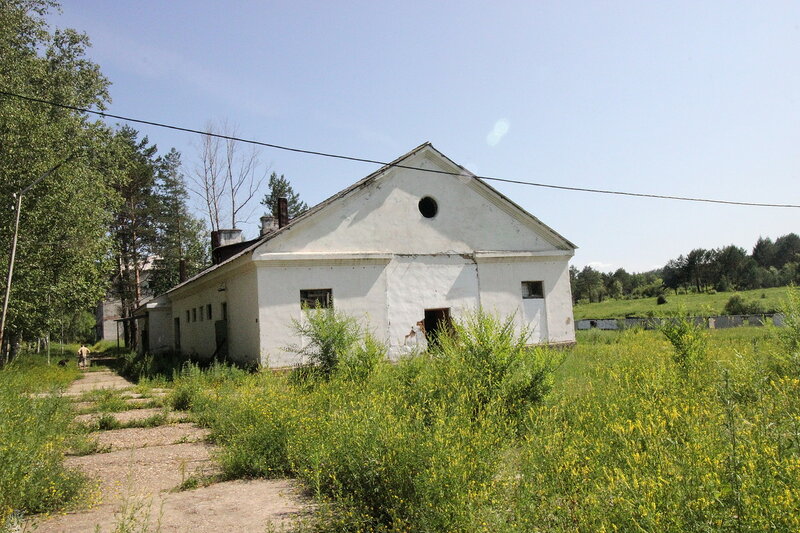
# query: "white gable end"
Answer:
x=372 y=252
x=383 y=215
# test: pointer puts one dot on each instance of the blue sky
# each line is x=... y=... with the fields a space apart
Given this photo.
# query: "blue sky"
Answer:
x=680 y=98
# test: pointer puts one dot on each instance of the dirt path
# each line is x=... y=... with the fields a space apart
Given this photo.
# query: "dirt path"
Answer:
x=140 y=468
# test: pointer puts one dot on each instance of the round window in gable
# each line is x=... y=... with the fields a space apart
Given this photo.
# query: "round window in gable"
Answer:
x=428 y=207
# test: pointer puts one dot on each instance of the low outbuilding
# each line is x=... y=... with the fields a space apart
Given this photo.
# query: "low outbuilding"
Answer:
x=417 y=243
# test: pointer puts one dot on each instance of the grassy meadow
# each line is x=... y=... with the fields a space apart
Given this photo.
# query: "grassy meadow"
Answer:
x=694 y=304
x=626 y=431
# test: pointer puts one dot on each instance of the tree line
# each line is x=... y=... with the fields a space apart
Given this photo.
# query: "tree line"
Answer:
x=113 y=221
x=770 y=264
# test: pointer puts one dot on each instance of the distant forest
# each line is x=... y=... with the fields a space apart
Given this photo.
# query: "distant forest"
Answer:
x=771 y=264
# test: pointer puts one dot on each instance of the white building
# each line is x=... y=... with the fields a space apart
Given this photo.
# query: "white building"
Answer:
x=108 y=313
x=402 y=249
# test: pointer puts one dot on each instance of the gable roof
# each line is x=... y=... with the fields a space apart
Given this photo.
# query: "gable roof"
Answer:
x=559 y=240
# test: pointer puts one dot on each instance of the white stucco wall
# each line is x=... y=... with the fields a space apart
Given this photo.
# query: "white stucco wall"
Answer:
x=159 y=323
x=548 y=319
x=242 y=294
x=239 y=291
x=419 y=282
x=385 y=217
x=358 y=286
x=389 y=295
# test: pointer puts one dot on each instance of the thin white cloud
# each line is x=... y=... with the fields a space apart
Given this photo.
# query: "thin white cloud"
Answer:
x=499 y=131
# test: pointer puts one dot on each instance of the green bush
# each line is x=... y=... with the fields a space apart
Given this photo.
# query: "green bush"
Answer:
x=398 y=471
x=335 y=343
x=147 y=366
x=626 y=446
x=738 y=305
x=687 y=338
x=192 y=382
x=489 y=360
x=621 y=442
x=789 y=334
x=787 y=359
x=253 y=424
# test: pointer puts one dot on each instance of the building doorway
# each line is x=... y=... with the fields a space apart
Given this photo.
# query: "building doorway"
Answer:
x=437 y=321
x=221 y=338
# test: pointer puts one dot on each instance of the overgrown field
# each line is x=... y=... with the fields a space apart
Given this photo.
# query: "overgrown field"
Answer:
x=623 y=432
x=694 y=304
x=674 y=430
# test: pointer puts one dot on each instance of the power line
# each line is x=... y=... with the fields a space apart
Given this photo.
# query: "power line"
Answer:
x=384 y=163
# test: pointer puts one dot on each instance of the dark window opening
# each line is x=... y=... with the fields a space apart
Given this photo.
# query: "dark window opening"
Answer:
x=145 y=340
x=194 y=314
x=188 y=316
x=313 y=298
x=428 y=207
x=437 y=321
x=532 y=289
x=224 y=311
x=177 y=334
x=208 y=311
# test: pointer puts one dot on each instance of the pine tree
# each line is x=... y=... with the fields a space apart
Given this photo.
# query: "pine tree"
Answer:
x=181 y=242
x=279 y=187
x=133 y=229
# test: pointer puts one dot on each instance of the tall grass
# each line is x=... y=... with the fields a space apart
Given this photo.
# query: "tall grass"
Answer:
x=411 y=446
x=638 y=447
x=35 y=431
x=483 y=434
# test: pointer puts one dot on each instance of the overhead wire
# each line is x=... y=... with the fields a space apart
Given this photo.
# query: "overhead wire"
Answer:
x=388 y=164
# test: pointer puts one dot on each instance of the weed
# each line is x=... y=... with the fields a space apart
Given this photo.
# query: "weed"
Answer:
x=135 y=516
x=789 y=334
x=330 y=336
x=35 y=430
x=687 y=338
x=83 y=444
x=196 y=481
x=107 y=422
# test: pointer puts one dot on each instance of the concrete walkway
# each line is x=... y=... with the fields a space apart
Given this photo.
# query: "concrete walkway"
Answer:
x=135 y=479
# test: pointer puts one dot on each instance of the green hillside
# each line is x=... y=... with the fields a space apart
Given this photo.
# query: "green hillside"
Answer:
x=694 y=304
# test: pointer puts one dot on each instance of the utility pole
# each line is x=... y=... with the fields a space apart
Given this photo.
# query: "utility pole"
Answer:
x=14 y=238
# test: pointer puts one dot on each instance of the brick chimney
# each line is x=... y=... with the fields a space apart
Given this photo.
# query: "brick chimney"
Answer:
x=221 y=239
x=268 y=224
x=225 y=237
x=283 y=212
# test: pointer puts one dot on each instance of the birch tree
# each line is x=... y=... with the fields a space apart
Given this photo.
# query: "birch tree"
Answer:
x=227 y=177
x=62 y=252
